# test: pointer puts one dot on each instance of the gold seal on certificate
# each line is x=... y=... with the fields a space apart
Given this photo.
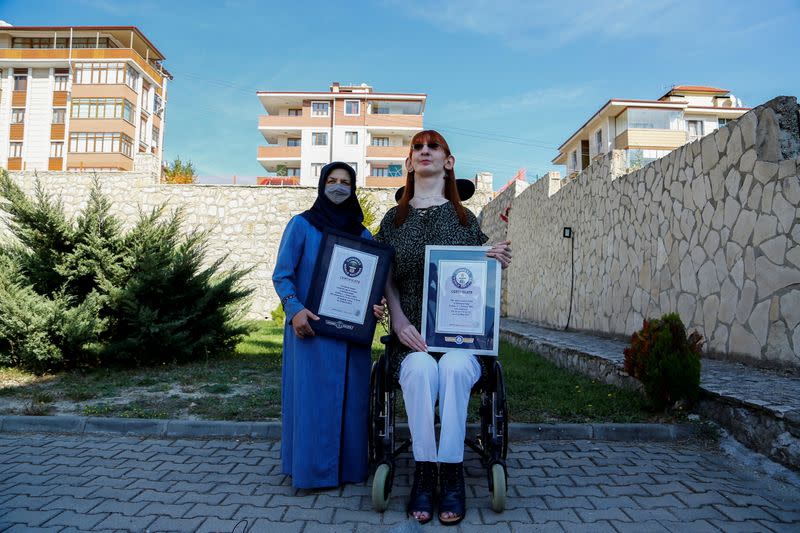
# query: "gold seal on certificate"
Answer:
x=461 y=300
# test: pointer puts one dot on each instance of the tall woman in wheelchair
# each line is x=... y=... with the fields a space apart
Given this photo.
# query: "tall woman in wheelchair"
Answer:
x=430 y=213
x=324 y=380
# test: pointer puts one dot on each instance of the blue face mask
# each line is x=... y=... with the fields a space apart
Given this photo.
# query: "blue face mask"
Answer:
x=337 y=193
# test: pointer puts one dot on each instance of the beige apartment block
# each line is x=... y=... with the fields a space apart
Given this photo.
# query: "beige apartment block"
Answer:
x=649 y=129
x=79 y=97
x=351 y=123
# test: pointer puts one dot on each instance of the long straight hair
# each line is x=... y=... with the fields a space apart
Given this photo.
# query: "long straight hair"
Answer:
x=450 y=189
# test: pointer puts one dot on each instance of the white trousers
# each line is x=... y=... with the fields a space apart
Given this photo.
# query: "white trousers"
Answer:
x=422 y=380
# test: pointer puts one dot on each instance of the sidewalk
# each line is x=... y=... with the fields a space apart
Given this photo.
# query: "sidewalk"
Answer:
x=69 y=483
x=760 y=408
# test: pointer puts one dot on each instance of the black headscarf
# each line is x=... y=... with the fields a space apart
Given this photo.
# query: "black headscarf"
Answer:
x=347 y=216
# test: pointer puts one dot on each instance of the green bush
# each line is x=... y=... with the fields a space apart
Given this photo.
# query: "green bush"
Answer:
x=85 y=293
x=666 y=361
x=278 y=315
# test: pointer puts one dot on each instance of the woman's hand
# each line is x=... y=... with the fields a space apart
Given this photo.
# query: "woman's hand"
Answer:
x=408 y=334
x=300 y=323
x=502 y=252
x=379 y=309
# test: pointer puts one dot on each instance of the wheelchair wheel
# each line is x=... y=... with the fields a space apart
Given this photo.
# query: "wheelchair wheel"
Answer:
x=494 y=418
x=376 y=407
x=498 y=488
x=382 y=487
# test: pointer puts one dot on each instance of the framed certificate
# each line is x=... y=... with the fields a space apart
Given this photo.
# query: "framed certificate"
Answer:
x=349 y=277
x=461 y=300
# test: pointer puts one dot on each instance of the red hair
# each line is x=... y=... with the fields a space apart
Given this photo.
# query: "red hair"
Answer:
x=450 y=189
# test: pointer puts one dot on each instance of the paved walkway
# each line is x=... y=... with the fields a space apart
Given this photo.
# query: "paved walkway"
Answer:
x=88 y=483
x=761 y=388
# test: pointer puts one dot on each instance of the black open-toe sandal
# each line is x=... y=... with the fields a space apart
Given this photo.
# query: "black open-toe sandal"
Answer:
x=453 y=494
x=421 y=500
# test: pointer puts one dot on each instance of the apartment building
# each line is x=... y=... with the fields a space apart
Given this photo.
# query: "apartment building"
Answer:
x=79 y=97
x=352 y=123
x=649 y=129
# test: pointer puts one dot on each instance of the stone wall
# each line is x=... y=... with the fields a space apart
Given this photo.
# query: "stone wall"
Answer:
x=245 y=222
x=710 y=231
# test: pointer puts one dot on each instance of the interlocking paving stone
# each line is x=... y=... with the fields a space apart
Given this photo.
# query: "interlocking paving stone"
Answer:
x=729 y=499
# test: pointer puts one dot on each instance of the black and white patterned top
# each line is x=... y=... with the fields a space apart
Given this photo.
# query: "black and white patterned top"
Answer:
x=436 y=225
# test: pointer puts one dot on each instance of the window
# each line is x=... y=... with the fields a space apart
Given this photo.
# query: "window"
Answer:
x=292 y=171
x=694 y=129
x=158 y=104
x=351 y=137
x=105 y=74
x=60 y=79
x=320 y=109
x=319 y=138
x=395 y=171
x=380 y=141
x=293 y=141
x=723 y=122
x=18 y=116
x=352 y=107
x=156 y=133
x=355 y=167
x=102 y=108
x=573 y=161
x=380 y=172
x=142 y=129
x=88 y=142
x=295 y=113
x=20 y=82
x=15 y=150
x=316 y=168
x=57 y=149
x=59 y=114
x=657 y=119
x=598 y=141
x=395 y=108
x=31 y=42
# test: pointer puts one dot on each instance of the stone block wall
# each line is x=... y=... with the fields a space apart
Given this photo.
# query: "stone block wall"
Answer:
x=245 y=222
x=710 y=231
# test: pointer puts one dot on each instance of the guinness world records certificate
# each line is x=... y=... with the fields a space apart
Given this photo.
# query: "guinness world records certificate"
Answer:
x=461 y=300
x=349 y=277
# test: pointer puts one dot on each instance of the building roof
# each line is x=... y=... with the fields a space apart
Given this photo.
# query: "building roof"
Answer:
x=695 y=89
x=159 y=55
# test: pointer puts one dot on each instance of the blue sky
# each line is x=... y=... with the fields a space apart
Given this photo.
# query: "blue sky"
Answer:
x=507 y=80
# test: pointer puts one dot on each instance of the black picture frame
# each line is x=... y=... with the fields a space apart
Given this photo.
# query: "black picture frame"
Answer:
x=333 y=322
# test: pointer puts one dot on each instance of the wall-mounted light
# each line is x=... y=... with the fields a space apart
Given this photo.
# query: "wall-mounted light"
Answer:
x=567 y=232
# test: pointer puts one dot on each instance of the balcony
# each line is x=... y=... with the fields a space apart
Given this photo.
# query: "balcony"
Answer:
x=278 y=152
x=80 y=54
x=17 y=132
x=384 y=181
x=387 y=152
x=292 y=122
x=657 y=139
x=393 y=121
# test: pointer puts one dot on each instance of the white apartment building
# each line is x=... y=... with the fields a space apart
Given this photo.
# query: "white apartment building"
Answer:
x=351 y=123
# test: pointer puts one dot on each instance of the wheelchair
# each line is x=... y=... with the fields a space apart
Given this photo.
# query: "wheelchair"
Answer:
x=491 y=442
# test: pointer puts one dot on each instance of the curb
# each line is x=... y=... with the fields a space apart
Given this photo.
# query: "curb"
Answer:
x=200 y=429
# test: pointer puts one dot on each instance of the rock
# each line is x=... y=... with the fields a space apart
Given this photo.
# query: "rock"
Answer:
x=733 y=181
x=775 y=249
x=710 y=310
x=759 y=321
x=708 y=279
x=767 y=144
x=765 y=228
x=710 y=153
x=748 y=161
x=688 y=281
x=744 y=227
x=785 y=212
x=790 y=306
x=729 y=298
x=686 y=307
x=778 y=347
x=771 y=277
x=743 y=342
x=746 y=301
x=765 y=171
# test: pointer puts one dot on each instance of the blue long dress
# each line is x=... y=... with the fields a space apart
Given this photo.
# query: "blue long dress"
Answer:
x=325 y=380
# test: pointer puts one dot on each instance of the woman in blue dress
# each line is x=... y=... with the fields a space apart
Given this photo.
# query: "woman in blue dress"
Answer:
x=325 y=380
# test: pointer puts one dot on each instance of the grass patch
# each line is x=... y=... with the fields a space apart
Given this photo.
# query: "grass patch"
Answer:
x=245 y=385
